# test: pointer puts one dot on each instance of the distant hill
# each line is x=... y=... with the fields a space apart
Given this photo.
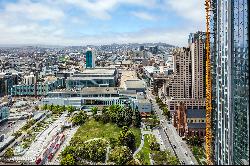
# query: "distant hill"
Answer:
x=59 y=46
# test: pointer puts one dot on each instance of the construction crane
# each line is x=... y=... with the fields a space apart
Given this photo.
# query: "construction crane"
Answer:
x=208 y=87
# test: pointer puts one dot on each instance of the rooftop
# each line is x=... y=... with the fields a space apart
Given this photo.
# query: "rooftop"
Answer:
x=136 y=83
x=89 y=90
x=127 y=75
x=50 y=78
x=98 y=71
x=196 y=113
x=151 y=69
x=145 y=101
x=90 y=78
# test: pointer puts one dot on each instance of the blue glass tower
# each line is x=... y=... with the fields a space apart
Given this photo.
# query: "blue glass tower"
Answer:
x=230 y=82
x=90 y=59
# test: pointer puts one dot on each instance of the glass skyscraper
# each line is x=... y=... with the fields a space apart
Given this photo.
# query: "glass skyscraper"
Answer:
x=90 y=59
x=230 y=81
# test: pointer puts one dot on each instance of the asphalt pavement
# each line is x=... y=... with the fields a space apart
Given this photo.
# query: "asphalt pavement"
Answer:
x=174 y=142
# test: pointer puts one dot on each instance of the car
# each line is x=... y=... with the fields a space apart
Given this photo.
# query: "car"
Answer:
x=186 y=154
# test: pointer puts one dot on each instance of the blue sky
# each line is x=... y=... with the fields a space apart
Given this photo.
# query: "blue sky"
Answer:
x=82 y=22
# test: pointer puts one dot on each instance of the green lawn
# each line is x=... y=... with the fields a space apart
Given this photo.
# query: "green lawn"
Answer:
x=143 y=155
x=93 y=129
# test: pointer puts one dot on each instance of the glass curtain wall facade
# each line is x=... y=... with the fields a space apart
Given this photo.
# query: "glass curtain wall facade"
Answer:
x=230 y=71
x=90 y=59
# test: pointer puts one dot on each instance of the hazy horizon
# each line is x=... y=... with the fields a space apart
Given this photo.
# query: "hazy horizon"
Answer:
x=88 y=22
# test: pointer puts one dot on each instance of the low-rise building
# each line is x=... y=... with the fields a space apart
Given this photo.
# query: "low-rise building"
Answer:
x=143 y=106
x=39 y=89
x=86 y=98
x=190 y=122
x=89 y=97
x=97 y=77
x=135 y=84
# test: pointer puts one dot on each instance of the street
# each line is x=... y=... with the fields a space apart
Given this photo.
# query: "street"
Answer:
x=168 y=132
x=24 y=134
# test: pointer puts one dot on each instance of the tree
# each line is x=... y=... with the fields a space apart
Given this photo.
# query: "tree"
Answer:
x=157 y=99
x=120 y=155
x=113 y=112
x=133 y=162
x=9 y=153
x=97 y=117
x=137 y=120
x=68 y=150
x=36 y=108
x=104 y=110
x=63 y=108
x=165 y=111
x=70 y=109
x=113 y=142
x=164 y=158
x=51 y=107
x=45 y=107
x=124 y=117
x=195 y=141
x=127 y=138
x=56 y=109
x=79 y=118
x=68 y=160
x=154 y=146
x=17 y=134
x=105 y=118
x=94 y=110
x=94 y=150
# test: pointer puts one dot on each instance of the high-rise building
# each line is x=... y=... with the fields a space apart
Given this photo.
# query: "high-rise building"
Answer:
x=7 y=80
x=90 y=58
x=230 y=81
x=180 y=86
x=196 y=44
x=29 y=79
x=141 y=48
x=153 y=49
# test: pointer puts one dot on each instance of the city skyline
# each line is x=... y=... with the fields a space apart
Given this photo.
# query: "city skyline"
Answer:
x=95 y=22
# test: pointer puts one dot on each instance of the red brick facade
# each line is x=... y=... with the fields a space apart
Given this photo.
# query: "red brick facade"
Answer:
x=180 y=123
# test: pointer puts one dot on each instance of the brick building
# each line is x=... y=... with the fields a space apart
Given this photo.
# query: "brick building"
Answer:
x=190 y=122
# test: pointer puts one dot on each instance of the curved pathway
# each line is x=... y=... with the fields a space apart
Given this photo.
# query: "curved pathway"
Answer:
x=140 y=147
x=143 y=132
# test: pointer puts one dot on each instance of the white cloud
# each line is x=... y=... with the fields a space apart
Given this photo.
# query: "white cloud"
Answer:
x=20 y=22
x=34 y=11
x=25 y=35
x=101 y=8
x=143 y=15
x=190 y=9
